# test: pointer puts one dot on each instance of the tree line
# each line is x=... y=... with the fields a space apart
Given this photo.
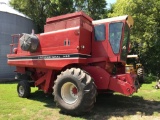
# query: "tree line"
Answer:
x=39 y=10
x=145 y=36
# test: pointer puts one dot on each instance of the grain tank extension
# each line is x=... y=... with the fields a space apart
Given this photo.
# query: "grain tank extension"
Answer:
x=75 y=58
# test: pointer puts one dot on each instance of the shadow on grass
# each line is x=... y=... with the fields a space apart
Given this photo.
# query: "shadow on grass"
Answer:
x=8 y=81
x=40 y=96
x=120 y=106
x=109 y=106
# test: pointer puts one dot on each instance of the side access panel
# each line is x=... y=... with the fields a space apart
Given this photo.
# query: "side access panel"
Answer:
x=100 y=76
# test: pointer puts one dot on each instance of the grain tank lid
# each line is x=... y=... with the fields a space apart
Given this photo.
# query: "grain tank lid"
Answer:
x=7 y=9
x=68 y=16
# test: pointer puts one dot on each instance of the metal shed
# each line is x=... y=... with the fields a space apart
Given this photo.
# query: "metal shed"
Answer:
x=11 y=22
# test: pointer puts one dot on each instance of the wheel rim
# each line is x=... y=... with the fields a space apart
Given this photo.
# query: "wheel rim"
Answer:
x=21 y=90
x=69 y=93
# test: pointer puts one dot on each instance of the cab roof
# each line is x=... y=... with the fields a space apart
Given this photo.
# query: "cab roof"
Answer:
x=128 y=19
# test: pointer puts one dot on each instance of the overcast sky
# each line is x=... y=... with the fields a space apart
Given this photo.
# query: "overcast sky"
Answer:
x=6 y=1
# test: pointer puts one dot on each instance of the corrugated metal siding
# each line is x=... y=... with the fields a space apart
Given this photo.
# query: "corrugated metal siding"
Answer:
x=10 y=24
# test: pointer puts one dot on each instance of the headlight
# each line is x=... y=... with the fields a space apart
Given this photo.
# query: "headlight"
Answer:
x=129 y=69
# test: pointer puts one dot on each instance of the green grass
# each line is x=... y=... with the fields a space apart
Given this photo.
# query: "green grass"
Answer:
x=145 y=105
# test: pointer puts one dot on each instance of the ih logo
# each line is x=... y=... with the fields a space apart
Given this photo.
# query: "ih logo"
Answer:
x=67 y=42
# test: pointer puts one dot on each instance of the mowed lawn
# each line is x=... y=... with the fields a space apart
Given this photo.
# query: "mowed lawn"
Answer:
x=144 y=105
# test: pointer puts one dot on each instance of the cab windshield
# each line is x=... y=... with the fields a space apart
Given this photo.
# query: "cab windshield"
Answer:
x=115 y=34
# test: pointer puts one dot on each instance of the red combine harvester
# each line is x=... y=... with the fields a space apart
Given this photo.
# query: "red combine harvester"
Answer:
x=75 y=58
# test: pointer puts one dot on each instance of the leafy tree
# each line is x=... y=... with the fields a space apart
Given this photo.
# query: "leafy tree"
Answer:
x=39 y=10
x=146 y=30
x=96 y=9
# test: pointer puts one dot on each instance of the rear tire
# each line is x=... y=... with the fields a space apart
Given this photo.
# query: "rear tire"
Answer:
x=74 y=92
x=140 y=75
x=156 y=87
x=23 y=89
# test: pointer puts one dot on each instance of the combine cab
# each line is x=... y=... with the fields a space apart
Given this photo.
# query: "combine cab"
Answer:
x=75 y=58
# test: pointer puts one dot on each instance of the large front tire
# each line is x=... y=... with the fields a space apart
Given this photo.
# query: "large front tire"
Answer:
x=74 y=91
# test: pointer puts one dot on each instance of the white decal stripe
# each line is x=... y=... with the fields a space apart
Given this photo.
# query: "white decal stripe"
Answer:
x=45 y=59
x=49 y=55
x=58 y=31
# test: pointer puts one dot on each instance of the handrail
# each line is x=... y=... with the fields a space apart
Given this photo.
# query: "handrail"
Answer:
x=13 y=44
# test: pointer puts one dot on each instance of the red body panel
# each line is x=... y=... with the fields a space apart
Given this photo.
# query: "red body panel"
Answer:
x=123 y=83
x=56 y=64
x=69 y=40
x=101 y=77
x=66 y=39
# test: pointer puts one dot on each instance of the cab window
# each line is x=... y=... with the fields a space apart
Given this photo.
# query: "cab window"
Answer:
x=100 y=32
